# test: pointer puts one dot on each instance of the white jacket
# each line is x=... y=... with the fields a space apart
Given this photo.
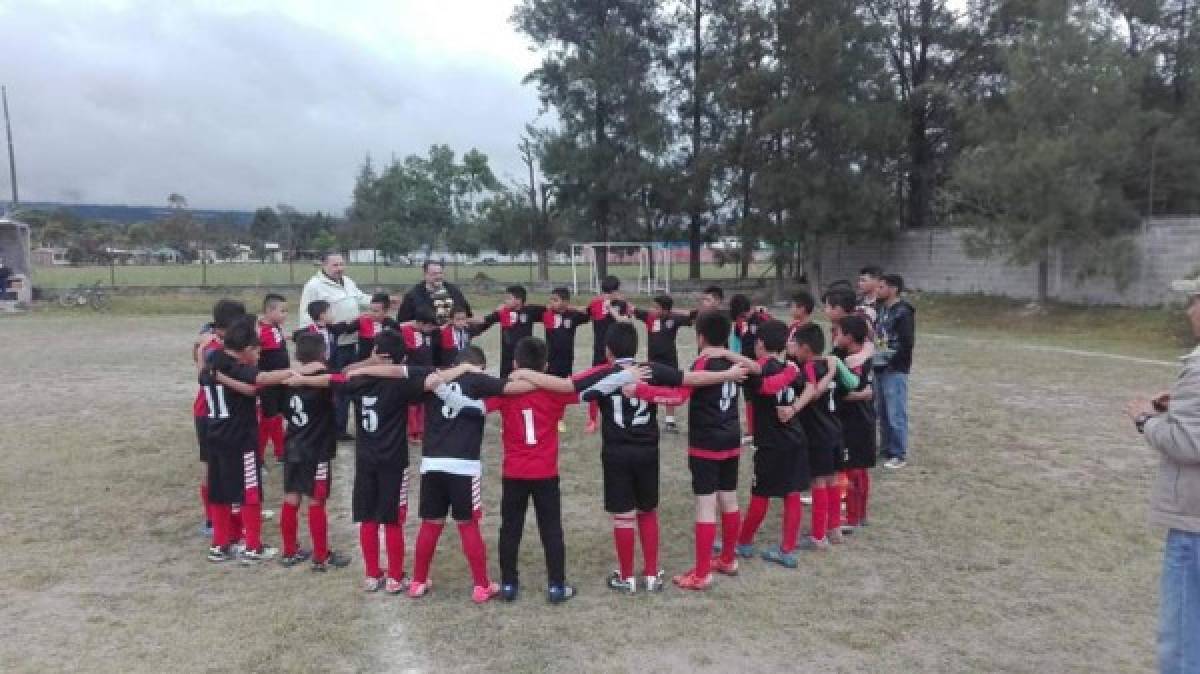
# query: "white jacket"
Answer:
x=345 y=299
x=1175 y=501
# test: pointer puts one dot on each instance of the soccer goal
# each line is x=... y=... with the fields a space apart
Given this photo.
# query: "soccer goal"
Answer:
x=653 y=260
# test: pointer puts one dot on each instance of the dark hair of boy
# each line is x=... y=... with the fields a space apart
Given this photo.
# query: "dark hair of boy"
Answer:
x=382 y=299
x=473 y=355
x=316 y=308
x=840 y=284
x=530 y=353
x=272 y=300
x=845 y=300
x=622 y=340
x=517 y=292
x=894 y=280
x=664 y=302
x=225 y=311
x=389 y=342
x=773 y=334
x=811 y=336
x=310 y=347
x=803 y=298
x=610 y=284
x=458 y=309
x=716 y=292
x=871 y=270
x=714 y=327
x=242 y=333
x=562 y=293
x=854 y=327
x=739 y=305
x=424 y=315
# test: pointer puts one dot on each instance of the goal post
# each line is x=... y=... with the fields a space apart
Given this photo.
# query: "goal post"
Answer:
x=654 y=263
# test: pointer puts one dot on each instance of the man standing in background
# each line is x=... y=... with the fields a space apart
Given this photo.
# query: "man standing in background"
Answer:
x=346 y=302
x=895 y=337
x=435 y=293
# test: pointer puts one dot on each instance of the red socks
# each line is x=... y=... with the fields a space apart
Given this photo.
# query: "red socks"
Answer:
x=204 y=503
x=706 y=533
x=749 y=418
x=427 y=538
x=393 y=540
x=623 y=536
x=289 y=522
x=252 y=521
x=820 y=512
x=833 y=502
x=593 y=411
x=368 y=540
x=731 y=524
x=475 y=552
x=222 y=521
x=318 y=526
x=793 y=514
x=755 y=515
x=235 y=523
x=416 y=421
x=648 y=531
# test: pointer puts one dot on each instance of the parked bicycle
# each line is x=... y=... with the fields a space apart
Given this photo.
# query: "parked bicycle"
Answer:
x=93 y=295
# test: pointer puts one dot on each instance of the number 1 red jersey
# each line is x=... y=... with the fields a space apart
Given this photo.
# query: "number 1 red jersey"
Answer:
x=529 y=430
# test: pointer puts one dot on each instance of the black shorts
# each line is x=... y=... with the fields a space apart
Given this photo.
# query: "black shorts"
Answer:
x=271 y=399
x=379 y=493
x=234 y=477
x=779 y=472
x=447 y=493
x=310 y=478
x=202 y=437
x=822 y=461
x=710 y=476
x=861 y=451
x=630 y=479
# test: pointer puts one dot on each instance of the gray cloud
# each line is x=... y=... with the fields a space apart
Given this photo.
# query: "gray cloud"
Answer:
x=127 y=104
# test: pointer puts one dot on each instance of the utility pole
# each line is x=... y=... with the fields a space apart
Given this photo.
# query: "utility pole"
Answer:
x=12 y=159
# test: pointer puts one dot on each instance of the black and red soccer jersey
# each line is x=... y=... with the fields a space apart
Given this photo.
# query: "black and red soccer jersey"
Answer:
x=200 y=405
x=369 y=328
x=769 y=431
x=329 y=333
x=274 y=354
x=529 y=424
x=311 y=436
x=598 y=311
x=515 y=325
x=661 y=330
x=714 y=431
x=382 y=404
x=819 y=418
x=453 y=439
x=418 y=347
x=560 y=339
x=858 y=419
x=628 y=422
x=746 y=330
x=452 y=340
x=232 y=417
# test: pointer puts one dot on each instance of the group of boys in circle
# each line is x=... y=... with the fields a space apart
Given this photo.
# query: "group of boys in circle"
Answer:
x=810 y=418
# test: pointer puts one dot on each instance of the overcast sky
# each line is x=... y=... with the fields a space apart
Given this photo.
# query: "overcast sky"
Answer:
x=244 y=103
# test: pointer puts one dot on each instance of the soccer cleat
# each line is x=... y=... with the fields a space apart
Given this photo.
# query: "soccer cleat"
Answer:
x=671 y=426
x=778 y=556
x=746 y=551
x=655 y=583
x=299 y=557
x=810 y=543
x=626 y=585
x=508 y=591
x=557 y=594
x=835 y=536
x=690 y=581
x=894 y=463
x=218 y=554
x=394 y=586
x=250 y=557
x=480 y=594
x=725 y=568
x=333 y=559
x=591 y=427
x=372 y=584
x=417 y=590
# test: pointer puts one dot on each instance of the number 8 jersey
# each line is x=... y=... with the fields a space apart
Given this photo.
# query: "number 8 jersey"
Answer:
x=629 y=422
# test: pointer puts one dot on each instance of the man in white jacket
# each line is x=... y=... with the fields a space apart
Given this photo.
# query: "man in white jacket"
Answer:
x=346 y=302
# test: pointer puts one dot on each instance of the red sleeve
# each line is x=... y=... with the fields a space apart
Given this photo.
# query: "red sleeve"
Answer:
x=366 y=327
x=494 y=403
x=565 y=399
x=506 y=318
x=337 y=378
x=663 y=395
x=596 y=309
x=410 y=336
x=447 y=332
x=780 y=380
x=590 y=371
x=548 y=318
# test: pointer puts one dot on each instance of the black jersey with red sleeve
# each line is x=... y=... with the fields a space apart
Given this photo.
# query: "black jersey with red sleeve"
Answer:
x=232 y=416
x=628 y=422
x=714 y=431
x=418 y=346
x=200 y=405
x=382 y=405
x=274 y=354
x=311 y=437
x=529 y=431
x=598 y=311
x=819 y=418
x=454 y=439
x=661 y=330
x=369 y=328
x=515 y=325
x=453 y=340
x=858 y=416
x=560 y=339
x=769 y=431
x=746 y=330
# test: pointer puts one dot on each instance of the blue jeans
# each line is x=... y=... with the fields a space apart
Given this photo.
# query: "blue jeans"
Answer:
x=342 y=356
x=891 y=406
x=1179 y=611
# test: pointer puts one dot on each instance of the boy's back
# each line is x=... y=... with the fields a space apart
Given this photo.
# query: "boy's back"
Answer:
x=382 y=422
x=819 y=418
x=629 y=423
x=310 y=430
x=769 y=431
x=713 y=411
x=452 y=440
x=529 y=430
x=232 y=416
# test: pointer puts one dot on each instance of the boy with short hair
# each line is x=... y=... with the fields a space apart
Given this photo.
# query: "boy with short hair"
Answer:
x=561 y=321
x=455 y=336
x=662 y=328
x=516 y=319
x=856 y=410
x=274 y=357
x=802 y=304
x=868 y=290
x=323 y=324
x=824 y=432
x=209 y=342
x=372 y=322
x=604 y=310
x=417 y=350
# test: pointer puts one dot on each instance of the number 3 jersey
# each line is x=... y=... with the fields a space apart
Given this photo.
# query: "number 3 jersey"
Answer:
x=232 y=417
x=382 y=420
x=628 y=422
x=311 y=437
x=453 y=440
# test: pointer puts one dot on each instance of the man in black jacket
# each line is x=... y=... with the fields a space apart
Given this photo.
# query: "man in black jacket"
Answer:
x=895 y=336
x=435 y=293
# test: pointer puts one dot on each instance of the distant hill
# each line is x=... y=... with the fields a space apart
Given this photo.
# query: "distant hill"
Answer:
x=123 y=214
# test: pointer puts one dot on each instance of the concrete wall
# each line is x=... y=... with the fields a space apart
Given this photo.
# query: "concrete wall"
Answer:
x=935 y=260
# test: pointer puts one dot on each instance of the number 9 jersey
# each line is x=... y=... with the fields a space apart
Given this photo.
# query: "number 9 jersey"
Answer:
x=713 y=424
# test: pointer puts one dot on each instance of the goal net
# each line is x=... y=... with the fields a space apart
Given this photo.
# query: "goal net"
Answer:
x=653 y=262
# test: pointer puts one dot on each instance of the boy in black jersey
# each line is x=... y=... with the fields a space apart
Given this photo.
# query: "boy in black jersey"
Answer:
x=824 y=431
x=856 y=410
x=516 y=319
x=662 y=327
x=209 y=342
x=604 y=310
x=455 y=336
x=417 y=348
x=629 y=453
x=372 y=322
x=561 y=320
x=380 y=495
x=307 y=470
x=274 y=357
x=324 y=325
x=229 y=380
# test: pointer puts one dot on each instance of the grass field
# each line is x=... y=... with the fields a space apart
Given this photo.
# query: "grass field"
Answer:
x=1015 y=541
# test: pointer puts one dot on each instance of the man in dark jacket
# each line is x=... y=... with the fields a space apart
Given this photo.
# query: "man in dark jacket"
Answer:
x=435 y=293
x=895 y=336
